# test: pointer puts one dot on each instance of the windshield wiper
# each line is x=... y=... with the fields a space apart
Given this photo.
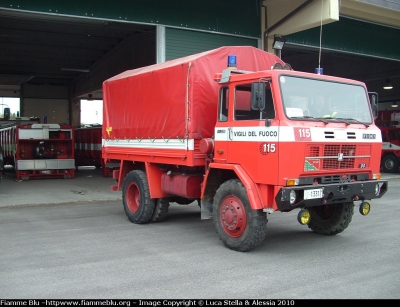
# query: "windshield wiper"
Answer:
x=310 y=117
x=352 y=120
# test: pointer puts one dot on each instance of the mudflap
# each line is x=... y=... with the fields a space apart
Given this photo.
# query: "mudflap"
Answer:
x=206 y=209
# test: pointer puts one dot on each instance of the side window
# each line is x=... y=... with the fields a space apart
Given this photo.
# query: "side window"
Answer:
x=223 y=104
x=269 y=104
x=243 y=110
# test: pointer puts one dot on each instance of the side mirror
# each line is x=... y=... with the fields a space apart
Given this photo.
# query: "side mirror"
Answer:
x=373 y=98
x=258 y=96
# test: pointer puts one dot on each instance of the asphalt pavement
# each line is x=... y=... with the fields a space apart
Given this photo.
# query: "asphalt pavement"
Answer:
x=88 y=185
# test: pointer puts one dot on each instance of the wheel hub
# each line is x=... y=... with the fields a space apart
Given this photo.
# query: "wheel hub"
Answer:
x=233 y=217
x=389 y=164
x=133 y=198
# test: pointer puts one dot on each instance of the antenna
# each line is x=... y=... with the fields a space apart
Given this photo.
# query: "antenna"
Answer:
x=319 y=70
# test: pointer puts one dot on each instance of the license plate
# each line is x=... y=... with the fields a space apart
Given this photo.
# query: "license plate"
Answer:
x=312 y=194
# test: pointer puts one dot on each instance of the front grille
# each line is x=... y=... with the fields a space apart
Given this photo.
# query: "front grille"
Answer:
x=331 y=135
x=331 y=179
x=336 y=156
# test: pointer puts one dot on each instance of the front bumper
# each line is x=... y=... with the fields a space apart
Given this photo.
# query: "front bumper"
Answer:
x=332 y=194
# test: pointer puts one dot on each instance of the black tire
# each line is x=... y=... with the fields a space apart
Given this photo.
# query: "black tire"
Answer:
x=390 y=164
x=331 y=219
x=138 y=205
x=239 y=227
x=160 y=210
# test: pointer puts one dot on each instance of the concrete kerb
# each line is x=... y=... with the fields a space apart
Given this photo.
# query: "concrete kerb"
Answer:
x=88 y=185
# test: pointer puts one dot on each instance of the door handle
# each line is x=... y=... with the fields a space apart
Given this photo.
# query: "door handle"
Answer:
x=230 y=133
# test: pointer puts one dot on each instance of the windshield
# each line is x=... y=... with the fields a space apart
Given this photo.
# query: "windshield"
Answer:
x=324 y=100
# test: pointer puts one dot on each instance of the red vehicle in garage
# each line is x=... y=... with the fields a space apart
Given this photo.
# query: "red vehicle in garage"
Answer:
x=390 y=149
x=240 y=140
x=39 y=150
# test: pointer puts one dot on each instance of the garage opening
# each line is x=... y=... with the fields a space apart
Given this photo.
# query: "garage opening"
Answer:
x=91 y=112
x=9 y=107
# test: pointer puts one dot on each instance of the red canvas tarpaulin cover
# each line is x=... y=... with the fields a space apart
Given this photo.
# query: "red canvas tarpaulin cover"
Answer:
x=174 y=99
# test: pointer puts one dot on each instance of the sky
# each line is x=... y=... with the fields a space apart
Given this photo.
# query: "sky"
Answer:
x=91 y=111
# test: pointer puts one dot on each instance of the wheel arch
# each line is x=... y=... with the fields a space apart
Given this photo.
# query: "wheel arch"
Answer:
x=125 y=167
x=391 y=153
x=154 y=174
x=217 y=174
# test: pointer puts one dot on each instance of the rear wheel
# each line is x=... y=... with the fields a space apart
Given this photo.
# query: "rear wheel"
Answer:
x=138 y=205
x=160 y=210
x=331 y=219
x=239 y=227
x=390 y=163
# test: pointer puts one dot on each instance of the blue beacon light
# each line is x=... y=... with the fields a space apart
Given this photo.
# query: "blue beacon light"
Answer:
x=231 y=60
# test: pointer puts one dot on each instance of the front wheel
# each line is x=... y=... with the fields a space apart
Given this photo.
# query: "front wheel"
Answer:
x=138 y=205
x=390 y=163
x=331 y=219
x=238 y=226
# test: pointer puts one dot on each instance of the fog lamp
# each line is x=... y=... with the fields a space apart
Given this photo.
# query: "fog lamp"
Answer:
x=304 y=217
x=365 y=207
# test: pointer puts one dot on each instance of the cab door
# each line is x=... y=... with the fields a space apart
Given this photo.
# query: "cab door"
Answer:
x=253 y=135
x=222 y=127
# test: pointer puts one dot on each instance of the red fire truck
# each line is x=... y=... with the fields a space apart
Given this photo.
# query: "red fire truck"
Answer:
x=390 y=149
x=39 y=150
x=88 y=149
x=232 y=129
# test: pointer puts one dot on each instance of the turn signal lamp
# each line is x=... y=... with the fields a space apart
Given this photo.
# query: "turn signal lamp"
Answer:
x=304 y=217
x=365 y=208
x=376 y=176
x=292 y=182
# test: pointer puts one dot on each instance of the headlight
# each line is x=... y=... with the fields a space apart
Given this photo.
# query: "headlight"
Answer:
x=292 y=197
x=377 y=189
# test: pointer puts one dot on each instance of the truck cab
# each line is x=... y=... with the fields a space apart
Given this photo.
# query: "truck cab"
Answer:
x=272 y=132
x=287 y=156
